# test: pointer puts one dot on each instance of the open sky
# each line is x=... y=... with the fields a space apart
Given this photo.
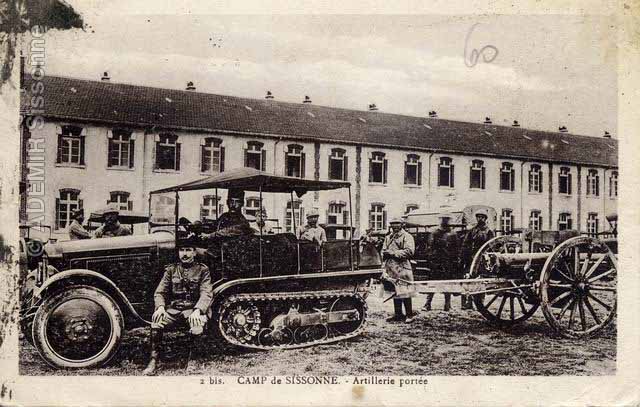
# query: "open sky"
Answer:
x=549 y=70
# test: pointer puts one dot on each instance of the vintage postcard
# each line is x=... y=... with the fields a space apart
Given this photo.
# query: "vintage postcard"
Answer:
x=286 y=204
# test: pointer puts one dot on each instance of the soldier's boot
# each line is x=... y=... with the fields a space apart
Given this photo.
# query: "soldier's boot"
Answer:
x=155 y=339
x=397 y=311
x=409 y=310
x=196 y=351
x=447 y=302
x=427 y=305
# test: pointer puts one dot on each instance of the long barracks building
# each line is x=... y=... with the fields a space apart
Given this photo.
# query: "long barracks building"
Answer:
x=104 y=142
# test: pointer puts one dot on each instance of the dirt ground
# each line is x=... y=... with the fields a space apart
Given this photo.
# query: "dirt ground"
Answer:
x=437 y=343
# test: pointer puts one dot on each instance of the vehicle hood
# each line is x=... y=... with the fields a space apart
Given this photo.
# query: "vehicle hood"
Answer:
x=58 y=249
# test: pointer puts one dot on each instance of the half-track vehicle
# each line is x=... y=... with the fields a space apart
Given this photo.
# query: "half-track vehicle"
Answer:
x=270 y=291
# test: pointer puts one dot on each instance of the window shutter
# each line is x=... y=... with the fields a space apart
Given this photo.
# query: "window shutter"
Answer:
x=58 y=213
x=370 y=172
x=345 y=167
x=264 y=160
x=157 y=153
x=245 y=157
x=420 y=173
x=132 y=149
x=540 y=180
x=384 y=219
x=178 y=156
x=482 y=180
x=82 y=150
x=203 y=165
x=370 y=220
x=202 y=213
x=405 y=173
x=302 y=165
x=345 y=217
x=221 y=159
x=597 y=185
x=80 y=204
x=512 y=180
x=59 y=156
x=530 y=180
x=569 y=184
x=452 y=177
x=329 y=168
x=471 y=177
x=384 y=171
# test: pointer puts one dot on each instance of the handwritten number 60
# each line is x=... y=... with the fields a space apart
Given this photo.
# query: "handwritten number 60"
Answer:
x=488 y=52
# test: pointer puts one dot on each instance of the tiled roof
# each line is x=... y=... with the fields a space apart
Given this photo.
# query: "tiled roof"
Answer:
x=77 y=99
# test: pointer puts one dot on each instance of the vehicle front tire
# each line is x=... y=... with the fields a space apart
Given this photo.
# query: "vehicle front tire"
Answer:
x=80 y=327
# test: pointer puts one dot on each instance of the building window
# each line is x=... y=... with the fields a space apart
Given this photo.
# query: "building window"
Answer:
x=377 y=217
x=298 y=211
x=535 y=178
x=477 y=175
x=410 y=208
x=121 y=149
x=613 y=185
x=564 y=181
x=70 y=146
x=593 y=183
x=445 y=172
x=252 y=206
x=211 y=155
x=413 y=170
x=294 y=161
x=564 y=221
x=255 y=156
x=506 y=220
x=121 y=199
x=167 y=152
x=338 y=164
x=535 y=220
x=592 y=224
x=208 y=208
x=68 y=202
x=378 y=168
x=162 y=210
x=336 y=214
x=507 y=177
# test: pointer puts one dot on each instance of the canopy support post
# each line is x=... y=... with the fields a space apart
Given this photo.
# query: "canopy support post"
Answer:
x=350 y=231
x=217 y=203
x=260 y=227
x=176 y=213
x=295 y=232
x=149 y=212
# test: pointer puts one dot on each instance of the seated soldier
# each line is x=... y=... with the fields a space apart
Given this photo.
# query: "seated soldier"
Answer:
x=181 y=299
x=233 y=223
x=112 y=226
x=261 y=228
x=311 y=231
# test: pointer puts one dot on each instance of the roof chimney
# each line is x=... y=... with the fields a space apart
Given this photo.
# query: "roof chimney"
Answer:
x=487 y=120
x=433 y=114
x=307 y=99
x=190 y=86
x=515 y=124
x=607 y=134
x=269 y=95
x=105 y=76
x=372 y=107
x=563 y=129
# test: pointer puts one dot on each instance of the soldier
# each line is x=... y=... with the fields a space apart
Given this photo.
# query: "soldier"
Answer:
x=112 y=226
x=473 y=241
x=397 y=250
x=233 y=223
x=311 y=231
x=444 y=247
x=76 y=230
x=261 y=227
x=182 y=299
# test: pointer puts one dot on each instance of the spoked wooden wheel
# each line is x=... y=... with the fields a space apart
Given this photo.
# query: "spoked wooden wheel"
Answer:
x=510 y=306
x=578 y=287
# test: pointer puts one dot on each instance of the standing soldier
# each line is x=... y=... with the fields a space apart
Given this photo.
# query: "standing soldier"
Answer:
x=186 y=291
x=397 y=250
x=473 y=241
x=444 y=248
x=76 y=230
x=112 y=226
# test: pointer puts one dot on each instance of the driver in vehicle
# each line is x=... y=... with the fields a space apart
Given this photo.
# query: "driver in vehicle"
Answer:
x=232 y=223
x=112 y=226
x=182 y=299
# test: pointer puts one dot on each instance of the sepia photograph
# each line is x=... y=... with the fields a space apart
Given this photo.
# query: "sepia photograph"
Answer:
x=313 y=199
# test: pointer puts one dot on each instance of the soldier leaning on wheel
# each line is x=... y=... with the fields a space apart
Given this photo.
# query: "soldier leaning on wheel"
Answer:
x=473 y=241
x=182 y=300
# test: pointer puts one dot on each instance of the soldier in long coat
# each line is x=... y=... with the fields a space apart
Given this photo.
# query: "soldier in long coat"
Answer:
x=397 y=250
x=473 y=241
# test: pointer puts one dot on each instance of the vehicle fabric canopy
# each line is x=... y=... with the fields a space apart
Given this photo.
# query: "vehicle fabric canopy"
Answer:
x=250 y=179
